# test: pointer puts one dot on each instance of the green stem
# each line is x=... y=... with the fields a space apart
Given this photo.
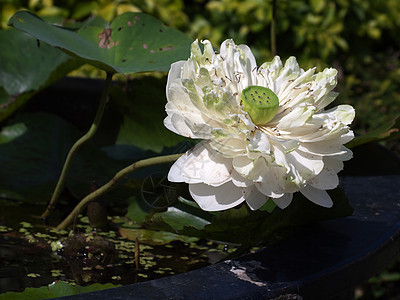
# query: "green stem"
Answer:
x=273 y=33
x=91 y=132
x=113 y=182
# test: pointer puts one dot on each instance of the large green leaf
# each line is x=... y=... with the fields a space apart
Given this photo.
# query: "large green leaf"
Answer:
x=32 y=152
x=27 y=67
x=133 y=42
x=54 y=290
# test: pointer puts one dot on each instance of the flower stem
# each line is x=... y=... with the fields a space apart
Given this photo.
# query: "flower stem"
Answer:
x=91 y=132
x=113 y=182
x=273 y=30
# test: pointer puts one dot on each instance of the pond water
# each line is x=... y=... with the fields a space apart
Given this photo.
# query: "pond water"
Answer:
x=35 y=255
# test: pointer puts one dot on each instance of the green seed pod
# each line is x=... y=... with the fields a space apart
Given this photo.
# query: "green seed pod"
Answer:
x=260 y=103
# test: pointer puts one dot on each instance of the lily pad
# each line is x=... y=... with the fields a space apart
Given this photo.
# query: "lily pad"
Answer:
x=133 y=42
x=152 y=237
x=389 y=130
x=244 y=226
x=178 y=219
x=27 y=67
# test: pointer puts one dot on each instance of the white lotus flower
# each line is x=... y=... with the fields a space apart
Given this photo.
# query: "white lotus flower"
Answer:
x=254 y=149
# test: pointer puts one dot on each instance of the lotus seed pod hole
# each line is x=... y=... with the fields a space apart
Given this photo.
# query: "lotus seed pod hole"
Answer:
x=260 y=103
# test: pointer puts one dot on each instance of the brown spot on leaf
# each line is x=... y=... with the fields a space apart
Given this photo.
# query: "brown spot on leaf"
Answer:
x=166 y=48
x=151 y=61
x=105 y=39
x=11 y=100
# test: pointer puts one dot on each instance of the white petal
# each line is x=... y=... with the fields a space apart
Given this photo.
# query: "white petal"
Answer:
x=287 y=74
x=272 y=181
x=348 y=154
x=300 y=166
x=331 y=126
x=231 y=147
x=249 y=168
x=319 y=197
x=326 y=100
x=287 y=94
x=270 y=71
x=201 y=164
x=174 y=121
x=296 y=118
x=283 y=201
x=240 y=181
x=328 y=147
x=243 y=165
x=249 y=65
x=322 y=86
x=336 y=165
x=176 y=171
x=259 y=143
x=328 y=178
x=216 y=198
x=174 y=73
x=344 y=113
x=199 y=130
x=305 y=162
x=256 y=199
x=272 y=184
x=180 y=109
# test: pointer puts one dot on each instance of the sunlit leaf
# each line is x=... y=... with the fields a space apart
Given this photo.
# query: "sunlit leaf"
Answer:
x=54 y=290
x=133 y=42
x=178 y=219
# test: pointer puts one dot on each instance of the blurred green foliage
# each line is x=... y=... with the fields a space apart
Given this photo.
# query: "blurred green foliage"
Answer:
x=359 y=38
